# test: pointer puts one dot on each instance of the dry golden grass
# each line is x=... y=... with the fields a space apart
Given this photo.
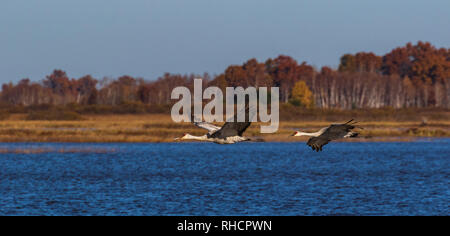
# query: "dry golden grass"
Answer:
x=160 y=128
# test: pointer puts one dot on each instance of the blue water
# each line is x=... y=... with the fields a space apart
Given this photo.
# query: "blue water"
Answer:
x=241 y=179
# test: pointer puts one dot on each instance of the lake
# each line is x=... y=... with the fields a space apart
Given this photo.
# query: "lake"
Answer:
x=357 y=178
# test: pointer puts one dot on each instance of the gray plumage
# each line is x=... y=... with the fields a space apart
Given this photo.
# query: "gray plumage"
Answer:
x=232 y=128
x=333 y=132
x=231 y=132
x=210 y=127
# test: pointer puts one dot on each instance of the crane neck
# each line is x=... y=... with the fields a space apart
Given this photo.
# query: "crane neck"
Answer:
x=193 y=137
x=315 y=134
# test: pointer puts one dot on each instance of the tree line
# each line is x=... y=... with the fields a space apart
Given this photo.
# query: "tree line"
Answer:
x=409 y=76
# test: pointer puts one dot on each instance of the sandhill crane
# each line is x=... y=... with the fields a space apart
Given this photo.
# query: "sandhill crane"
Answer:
x=231 y=132
x=327 y=134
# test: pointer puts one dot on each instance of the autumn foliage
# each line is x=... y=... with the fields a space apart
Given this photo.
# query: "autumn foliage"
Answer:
x=412 y=76
x=301 y=95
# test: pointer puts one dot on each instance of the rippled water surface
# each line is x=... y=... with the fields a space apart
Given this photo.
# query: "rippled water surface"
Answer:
x=241 y=179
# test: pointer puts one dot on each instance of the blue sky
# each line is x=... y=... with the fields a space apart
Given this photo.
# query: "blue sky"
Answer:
x=145 y=38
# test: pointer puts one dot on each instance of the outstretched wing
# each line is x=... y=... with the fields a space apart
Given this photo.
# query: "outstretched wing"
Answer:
x=234 y=128
x=338 y=131
x=316 y=143
x=333 y=132
x=210 y=127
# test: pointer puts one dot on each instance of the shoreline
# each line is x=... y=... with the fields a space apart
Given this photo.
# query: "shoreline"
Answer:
x=108 y=147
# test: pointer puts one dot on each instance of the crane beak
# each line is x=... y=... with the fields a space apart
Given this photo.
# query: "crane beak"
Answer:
x=294 y=133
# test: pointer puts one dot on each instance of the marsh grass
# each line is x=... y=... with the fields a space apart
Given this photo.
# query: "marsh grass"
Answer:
x=160 y=128
x=53 y=115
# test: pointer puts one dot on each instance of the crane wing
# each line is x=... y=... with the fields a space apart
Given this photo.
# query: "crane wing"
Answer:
x=234 y=128
x=333 y=132
x=231 y=129
x=338 y=131
x=208 y=126
x=316 y=143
